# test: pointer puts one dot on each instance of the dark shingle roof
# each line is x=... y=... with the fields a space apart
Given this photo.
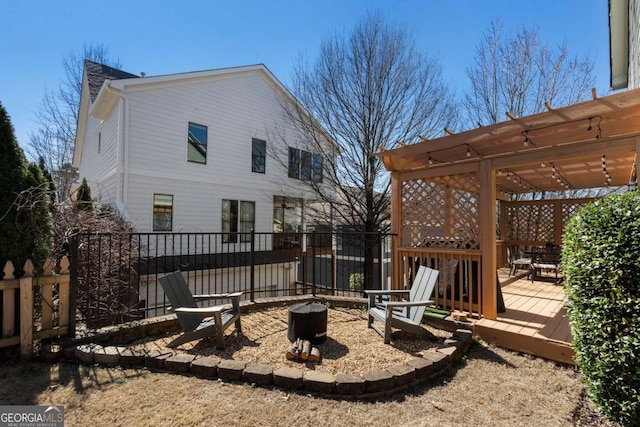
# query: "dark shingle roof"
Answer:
x=98 y=73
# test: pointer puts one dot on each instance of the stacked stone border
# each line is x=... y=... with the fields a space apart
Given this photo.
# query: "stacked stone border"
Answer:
x=377 y=383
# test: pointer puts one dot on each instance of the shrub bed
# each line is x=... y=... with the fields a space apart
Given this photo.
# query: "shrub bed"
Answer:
x=601 y=267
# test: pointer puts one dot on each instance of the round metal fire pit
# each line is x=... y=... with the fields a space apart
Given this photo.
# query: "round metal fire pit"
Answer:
x=308 y=321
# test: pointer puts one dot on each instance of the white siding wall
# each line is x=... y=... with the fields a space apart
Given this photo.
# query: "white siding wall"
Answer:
x=235 y=110
x=99 y=167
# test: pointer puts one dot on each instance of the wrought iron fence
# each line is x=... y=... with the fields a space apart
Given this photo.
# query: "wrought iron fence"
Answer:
x=116 y=276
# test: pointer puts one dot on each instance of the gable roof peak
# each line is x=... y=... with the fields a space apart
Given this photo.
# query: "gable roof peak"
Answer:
x=97 y=73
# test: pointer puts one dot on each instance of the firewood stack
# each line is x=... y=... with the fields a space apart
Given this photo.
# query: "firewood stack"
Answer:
x=302 y=351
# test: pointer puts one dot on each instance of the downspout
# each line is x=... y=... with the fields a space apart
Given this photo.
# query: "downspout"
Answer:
x=122 y=165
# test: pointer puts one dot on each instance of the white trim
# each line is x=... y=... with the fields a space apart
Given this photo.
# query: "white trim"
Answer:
x=619 y=43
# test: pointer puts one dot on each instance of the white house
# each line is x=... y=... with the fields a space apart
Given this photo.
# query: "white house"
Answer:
x=624 y=44
x=193 y=151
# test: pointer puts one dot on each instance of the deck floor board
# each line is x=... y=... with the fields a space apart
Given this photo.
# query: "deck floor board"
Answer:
x=535 y=319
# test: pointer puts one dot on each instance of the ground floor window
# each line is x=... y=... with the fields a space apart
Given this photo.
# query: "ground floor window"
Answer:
x=162 y=212
x=287 y=214
x=238 y=217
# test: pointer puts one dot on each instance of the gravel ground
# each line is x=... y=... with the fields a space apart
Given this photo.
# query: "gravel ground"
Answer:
x=351 y=347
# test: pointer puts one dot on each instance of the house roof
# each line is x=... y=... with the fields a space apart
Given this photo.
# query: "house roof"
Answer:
x=98 y=73
x=549 y=151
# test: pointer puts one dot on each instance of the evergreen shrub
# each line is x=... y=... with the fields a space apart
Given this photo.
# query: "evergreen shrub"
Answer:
x=601 y=273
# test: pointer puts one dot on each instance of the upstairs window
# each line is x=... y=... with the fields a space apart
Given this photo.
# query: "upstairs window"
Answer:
x=304 y=165
x=238 y=217
x=162 y=212
x=197 y=143
x=258 y=155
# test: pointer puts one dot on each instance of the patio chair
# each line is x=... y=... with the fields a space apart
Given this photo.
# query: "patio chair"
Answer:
x=404 y=315
x=199 y=322
x=547 y=258
x=516 y=261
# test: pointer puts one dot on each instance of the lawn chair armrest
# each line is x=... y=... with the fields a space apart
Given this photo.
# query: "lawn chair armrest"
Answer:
x=407 y=303
x=201 y=310
x=373 y=293
x=217 y=296
x=385 y=292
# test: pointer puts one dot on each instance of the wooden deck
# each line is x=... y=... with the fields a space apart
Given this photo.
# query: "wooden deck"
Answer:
x=535 y=320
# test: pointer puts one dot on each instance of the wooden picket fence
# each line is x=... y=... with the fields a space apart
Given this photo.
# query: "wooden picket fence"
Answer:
x=44 y=310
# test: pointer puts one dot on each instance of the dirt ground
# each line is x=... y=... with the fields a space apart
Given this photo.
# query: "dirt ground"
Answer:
x=488 y=387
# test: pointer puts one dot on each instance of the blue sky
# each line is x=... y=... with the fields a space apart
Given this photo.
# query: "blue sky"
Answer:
x=162 y=37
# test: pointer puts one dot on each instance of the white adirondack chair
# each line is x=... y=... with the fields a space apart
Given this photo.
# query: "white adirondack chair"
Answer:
x=409 y=317
x=199 y=322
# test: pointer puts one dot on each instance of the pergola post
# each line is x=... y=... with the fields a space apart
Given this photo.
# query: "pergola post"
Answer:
x=502 y=232
x=396 y=227
x=487 y=235
x=558 y=223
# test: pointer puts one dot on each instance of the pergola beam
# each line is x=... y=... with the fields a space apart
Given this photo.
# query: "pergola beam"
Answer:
x=620 y=115
x=568 y=151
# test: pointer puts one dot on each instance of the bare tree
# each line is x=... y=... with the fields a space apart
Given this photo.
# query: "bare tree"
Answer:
x=519 y=74
x=366 y=90
x=57 y=117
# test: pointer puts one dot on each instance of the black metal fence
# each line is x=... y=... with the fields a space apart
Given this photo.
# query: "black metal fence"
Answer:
x=116 y=276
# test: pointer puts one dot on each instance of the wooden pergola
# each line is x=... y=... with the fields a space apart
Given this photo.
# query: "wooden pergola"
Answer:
x=447 y=193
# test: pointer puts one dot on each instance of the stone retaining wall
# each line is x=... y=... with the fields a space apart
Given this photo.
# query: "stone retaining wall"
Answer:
x=377 y=383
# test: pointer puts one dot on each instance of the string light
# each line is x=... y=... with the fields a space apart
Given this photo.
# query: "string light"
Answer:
x=527 y=141
x=517 y=180
x=607 y=175
x=557 y=176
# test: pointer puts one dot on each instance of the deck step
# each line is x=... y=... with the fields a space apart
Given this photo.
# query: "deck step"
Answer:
x=557 y=351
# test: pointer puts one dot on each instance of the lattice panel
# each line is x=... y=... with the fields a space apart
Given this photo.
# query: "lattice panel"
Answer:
x=441 y=212
x=531 y=222
x=535 y=221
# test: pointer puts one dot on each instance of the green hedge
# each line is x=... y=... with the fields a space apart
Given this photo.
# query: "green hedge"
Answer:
x=601 y=271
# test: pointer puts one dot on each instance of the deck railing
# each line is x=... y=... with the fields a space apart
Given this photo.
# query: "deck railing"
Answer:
x=34 y=306
x=460 y=276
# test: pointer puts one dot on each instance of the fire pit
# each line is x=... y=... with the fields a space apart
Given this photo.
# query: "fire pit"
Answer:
x=308 y=321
